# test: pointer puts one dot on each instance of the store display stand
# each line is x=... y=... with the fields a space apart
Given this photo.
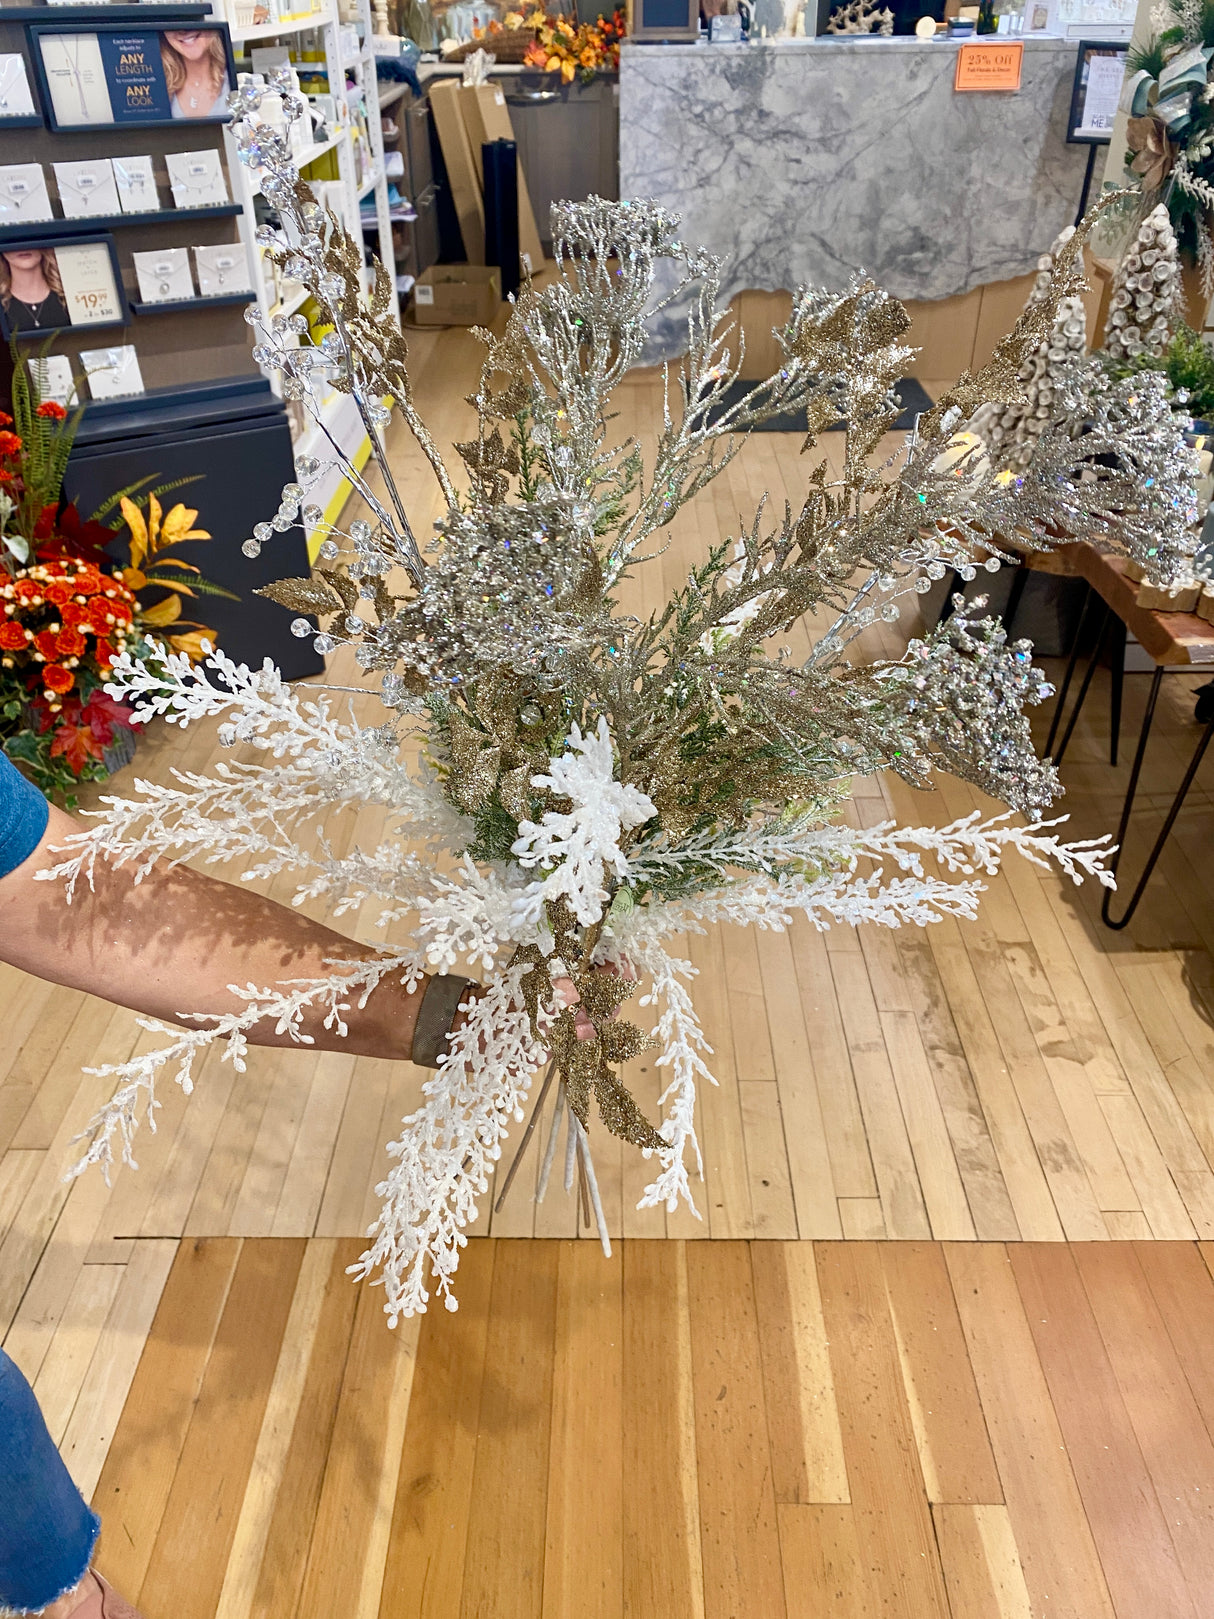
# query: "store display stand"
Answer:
x=356 y=144
x=206 y=413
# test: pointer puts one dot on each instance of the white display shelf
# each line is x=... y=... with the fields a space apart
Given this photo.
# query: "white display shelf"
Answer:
x=303 y=158
x=276 y=30
x=309 y=154
x=296 y=301
x=346 y=191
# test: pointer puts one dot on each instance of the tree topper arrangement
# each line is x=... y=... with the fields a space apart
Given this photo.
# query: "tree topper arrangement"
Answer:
x=592 y=785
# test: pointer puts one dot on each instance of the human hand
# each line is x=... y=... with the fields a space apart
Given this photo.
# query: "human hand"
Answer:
x=567 y=996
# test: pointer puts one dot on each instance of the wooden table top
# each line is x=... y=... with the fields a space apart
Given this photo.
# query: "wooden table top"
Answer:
x=1174 y=639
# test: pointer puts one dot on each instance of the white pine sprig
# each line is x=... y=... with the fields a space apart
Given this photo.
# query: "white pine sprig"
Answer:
x=682 y=1040
x=446 y=1151
x=134 y=1100
x=254 y=812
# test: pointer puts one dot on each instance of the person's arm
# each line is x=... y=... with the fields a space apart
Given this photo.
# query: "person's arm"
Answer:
x=172 y=944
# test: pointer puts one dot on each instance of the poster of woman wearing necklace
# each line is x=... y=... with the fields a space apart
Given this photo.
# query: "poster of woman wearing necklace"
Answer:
x=149 y=74
x=55 y=286
x=195 y=71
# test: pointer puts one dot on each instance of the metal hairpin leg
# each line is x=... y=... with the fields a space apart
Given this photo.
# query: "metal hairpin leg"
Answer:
x=1019 y=581
x=1101 y=638
x=1072 y=660
x=1116 y=684
x=1177 y=802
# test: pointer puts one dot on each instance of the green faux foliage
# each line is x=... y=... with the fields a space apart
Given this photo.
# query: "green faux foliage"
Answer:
x=1188 y=364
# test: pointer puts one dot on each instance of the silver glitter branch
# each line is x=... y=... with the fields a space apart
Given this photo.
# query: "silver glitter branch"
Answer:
x=593 y=784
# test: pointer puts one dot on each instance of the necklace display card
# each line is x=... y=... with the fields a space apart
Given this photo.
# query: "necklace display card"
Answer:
x=197 y=179
x=164 y=277
x=23 y=194
x=112 y=373
x=222 y=270
x=136 y=185
x=87 y=190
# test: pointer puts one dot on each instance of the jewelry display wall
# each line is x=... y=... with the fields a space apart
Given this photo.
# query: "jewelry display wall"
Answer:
x=119 y=180
x=172 y=391
x=178 y=181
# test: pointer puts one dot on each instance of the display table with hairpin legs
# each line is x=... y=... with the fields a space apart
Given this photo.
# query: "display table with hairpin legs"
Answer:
x=1173 y=641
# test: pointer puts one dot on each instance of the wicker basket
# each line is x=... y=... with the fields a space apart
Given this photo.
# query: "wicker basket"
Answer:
x=509 y=45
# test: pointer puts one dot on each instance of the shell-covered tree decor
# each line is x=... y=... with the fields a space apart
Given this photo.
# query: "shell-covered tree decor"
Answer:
x=1010 y=430
x=1144 y=307
x=592 y=784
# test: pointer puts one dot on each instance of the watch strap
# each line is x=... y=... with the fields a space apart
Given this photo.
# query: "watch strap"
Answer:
x=435 y=1015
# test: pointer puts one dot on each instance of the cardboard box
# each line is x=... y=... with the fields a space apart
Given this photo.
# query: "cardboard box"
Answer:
x=487 y=118
x=456 y=295
x=463 y=171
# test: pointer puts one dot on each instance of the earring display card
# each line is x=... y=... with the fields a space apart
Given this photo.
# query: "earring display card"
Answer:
x=16 y=99
x=53 y=374
x=87 y=190
x=136 y=185
x=163 y=277
x=197 y=179
x=222 y=270
x=23 y=194
x=112 y=373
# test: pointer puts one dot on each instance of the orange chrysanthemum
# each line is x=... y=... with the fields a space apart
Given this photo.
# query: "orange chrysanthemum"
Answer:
x=58 y=679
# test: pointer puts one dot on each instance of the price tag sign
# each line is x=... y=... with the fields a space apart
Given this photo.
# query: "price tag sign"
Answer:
x=88 y=285
x=989 y=65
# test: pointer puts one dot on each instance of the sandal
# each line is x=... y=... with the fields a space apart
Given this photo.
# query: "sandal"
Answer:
x=103 y=1602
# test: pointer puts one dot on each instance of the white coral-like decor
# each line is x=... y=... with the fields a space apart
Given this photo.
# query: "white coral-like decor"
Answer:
x=579 y=850
x=591 y=786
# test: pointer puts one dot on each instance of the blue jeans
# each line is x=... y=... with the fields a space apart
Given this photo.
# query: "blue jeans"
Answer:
x=47 y=1532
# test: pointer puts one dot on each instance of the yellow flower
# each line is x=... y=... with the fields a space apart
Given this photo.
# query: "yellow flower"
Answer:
x=153 y=535
x=166 y=612
x=191 y=643
x=138 y=528
x=178 y=526
x=567 y=72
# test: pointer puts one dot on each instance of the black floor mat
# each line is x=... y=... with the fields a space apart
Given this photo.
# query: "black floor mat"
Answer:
x=911 y=392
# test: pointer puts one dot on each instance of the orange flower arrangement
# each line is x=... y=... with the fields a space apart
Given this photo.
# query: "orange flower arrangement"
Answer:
x=63 y=619
x=564 y=47
x=68 y=609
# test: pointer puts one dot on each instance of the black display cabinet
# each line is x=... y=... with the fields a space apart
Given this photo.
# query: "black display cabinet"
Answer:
x=233 y=434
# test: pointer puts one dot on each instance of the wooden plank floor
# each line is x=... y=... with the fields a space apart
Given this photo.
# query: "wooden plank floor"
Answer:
x=806 y=1425
x=734 y=1430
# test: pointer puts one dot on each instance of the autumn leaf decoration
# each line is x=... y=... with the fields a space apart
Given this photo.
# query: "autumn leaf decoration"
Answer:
x=152 y=537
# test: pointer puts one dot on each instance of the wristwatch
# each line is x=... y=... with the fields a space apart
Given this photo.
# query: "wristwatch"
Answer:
x=435 y=1015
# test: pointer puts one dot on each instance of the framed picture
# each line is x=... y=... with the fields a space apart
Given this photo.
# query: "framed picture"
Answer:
x=665 y=19
x=1099 y=75
x=147 y=74
x=60 y=284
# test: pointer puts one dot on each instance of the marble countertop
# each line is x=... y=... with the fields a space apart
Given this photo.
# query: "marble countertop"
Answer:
x=807 y=160
x=849 y=44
